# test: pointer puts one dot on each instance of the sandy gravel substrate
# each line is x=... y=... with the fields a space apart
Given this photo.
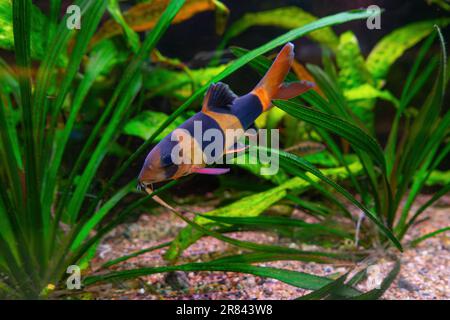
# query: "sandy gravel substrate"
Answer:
x=425 y=270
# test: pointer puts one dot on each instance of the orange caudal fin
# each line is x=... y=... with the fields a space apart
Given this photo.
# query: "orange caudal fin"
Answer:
x=290 y=90
x=269 y=85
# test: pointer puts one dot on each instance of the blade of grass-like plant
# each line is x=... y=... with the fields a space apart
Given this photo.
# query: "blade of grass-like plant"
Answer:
x=99 y=215
x=8 y=81
x=294 y=278
x=11 y=126
x=336 y=100
x=357 y=137
x=98 y=63
x=308 y=256
x=55 y=11
x=289 y=36
x=284 y=17
x=33 y=221
x=6 y=230
x=113 y=223
x=140 y=252
x=46 y=74
x=261 y=221
x=254 y=205
x=427 y=115
x=120 y=95
x=13 y=214
x=357 y=278
x=306 y=166
x=316 y=209
x=317 y=186
x=130 y=35
x=18 y=273
x=74 y=205
x=10 y=162
x=90 y=22
x=235 y=242
x=424 y=172
x=424 y=135
x=341 y=109
x=134 y=254
x=419 y=180
x=262 y=64
x=404 y=99
x=326 y=290
x=416 y=241
x=377 y=293
x=434 y=198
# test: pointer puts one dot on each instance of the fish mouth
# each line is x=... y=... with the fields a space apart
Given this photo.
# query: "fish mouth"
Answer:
x=144 y=185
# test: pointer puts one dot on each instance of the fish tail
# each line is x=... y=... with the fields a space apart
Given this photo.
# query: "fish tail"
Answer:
x=268 y=87
x=271 y=85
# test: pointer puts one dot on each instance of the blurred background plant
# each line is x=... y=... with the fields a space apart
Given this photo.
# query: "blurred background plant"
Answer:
x=80 y=108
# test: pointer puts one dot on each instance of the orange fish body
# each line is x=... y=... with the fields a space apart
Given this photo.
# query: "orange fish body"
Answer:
x=222 y=110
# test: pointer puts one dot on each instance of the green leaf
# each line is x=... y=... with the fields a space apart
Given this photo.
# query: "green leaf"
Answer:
x=99 y=215
x=8 y=82
x=250 y=206
x=352 y=67
x=271 y=222
x=131 y=36
x=307 y=256
x=294 y=278
x=292 y=161
x=355 y=136
x=326 y=290
x=368 y=92
x=438 y=177
x=392 y=46
x=144 y=15
x=134 y=254
x=145 y=124
x=418 y=240
x=179 y=84
x=37 y=31
x=122 y=97
x=286 y=18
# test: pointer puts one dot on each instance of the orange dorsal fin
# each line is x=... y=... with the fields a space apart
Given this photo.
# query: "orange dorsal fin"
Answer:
x=290 y=90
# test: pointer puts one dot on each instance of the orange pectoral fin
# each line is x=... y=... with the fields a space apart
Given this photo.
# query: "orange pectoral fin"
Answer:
x=291 y=90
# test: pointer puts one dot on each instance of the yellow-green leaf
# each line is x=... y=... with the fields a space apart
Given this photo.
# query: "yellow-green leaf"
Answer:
x=145 y=124
x=287 y=18
x=392 y=46
x=38 y=25
x=143 y=16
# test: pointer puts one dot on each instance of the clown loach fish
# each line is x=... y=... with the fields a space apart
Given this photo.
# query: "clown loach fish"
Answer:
x=221 y=110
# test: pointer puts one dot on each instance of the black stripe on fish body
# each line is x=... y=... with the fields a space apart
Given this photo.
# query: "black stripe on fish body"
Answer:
x=170 y=171
x=207 y=122
x=247 y=108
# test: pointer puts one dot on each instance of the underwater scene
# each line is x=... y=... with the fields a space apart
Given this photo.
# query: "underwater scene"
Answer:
x=224 y=150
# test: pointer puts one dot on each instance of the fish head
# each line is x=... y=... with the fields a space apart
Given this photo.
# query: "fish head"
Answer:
x=162 y=164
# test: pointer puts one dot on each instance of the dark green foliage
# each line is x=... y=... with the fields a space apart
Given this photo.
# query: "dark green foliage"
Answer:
x=55 y=194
